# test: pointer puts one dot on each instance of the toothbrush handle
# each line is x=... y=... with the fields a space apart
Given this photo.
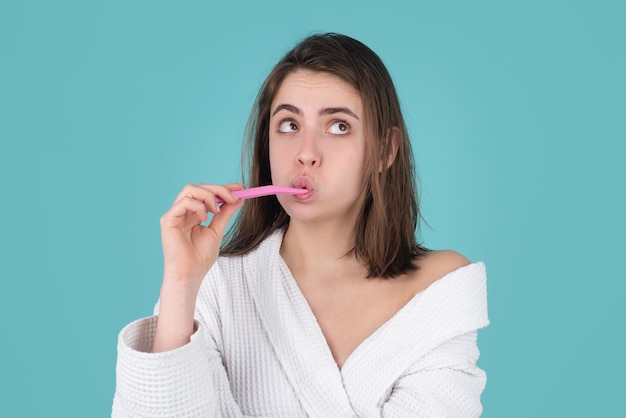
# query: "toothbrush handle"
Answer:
x=264 y=191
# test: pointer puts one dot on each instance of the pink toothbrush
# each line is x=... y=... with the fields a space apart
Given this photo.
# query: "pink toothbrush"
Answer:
x=264 y=191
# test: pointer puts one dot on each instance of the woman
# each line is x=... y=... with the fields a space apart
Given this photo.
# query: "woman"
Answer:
x=320 y=304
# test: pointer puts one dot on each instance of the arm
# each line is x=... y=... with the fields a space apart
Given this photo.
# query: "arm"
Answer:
x=165 y=365
x=189 y=251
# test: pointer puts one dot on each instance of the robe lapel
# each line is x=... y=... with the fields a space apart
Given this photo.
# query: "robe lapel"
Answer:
x=452 y=306
x=294 y=333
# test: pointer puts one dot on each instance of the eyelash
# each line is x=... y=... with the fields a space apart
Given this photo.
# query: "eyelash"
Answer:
x=334 y=122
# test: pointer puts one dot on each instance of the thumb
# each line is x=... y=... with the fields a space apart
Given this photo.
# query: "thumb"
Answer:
x=220 y=220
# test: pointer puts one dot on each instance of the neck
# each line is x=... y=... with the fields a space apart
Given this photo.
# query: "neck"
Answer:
x=321 y=251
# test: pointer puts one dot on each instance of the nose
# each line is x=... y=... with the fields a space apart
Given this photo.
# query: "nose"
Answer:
x=309 y=155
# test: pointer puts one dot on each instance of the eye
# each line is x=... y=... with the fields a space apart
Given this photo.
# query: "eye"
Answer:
x=339 y=127
x=288 y=126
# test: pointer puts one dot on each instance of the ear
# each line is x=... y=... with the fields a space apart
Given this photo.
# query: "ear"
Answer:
x=395 y=143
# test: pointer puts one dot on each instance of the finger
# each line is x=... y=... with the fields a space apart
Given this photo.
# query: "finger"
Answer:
x=190 y=190
x=220 y=220
x=200 y=194
x=224 y=191
x=186 y=209
x=234 y=186
x=208 y=192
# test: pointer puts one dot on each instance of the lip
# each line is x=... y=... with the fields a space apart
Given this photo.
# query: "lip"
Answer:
x=304 y=182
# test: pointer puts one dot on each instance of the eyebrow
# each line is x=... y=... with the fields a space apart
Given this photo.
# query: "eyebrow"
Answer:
x=325 y=111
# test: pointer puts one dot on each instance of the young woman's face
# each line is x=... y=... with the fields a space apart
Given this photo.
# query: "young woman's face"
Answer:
x=317 y=142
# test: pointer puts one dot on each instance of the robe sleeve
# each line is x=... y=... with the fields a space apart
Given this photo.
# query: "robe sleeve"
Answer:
x=173 y=383
x=189 y=381
x=444 y=383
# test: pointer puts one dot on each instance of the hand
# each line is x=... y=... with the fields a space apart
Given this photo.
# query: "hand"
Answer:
x=190 y=248
x=189 y=251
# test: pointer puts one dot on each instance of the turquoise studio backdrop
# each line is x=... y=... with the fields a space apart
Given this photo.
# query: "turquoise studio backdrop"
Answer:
x=516 y=111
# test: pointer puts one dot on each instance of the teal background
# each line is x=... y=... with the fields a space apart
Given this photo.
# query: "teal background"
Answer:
x=516 y=111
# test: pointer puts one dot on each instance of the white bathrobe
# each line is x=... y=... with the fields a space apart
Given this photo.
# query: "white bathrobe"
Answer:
x=258 y=351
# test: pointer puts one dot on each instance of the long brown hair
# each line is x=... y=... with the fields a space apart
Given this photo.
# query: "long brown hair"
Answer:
x=384 y=237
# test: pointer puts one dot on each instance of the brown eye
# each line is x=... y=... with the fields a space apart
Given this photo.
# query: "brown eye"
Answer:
x=288 y=126
x=339 y=128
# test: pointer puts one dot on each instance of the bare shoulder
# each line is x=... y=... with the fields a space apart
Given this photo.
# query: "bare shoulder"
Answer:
x=443 y=261
x=436 y=264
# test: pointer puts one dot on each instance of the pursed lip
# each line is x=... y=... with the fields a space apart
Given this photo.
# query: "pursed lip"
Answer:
x=304 y=182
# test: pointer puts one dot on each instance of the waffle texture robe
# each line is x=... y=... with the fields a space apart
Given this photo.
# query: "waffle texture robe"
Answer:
x=258 y=351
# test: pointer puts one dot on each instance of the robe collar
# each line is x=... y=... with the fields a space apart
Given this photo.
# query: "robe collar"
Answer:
x=451 y=306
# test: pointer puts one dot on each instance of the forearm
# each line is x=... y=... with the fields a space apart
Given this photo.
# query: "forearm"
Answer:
x=176 y=315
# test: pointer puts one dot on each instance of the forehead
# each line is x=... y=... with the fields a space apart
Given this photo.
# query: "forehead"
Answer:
x=302 y=85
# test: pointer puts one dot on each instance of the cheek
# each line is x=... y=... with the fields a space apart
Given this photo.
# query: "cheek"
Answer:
x=352 y=159
x=277 y=159
x=350 y=168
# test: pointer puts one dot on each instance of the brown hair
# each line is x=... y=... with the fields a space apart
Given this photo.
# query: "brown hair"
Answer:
x=384 y=234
